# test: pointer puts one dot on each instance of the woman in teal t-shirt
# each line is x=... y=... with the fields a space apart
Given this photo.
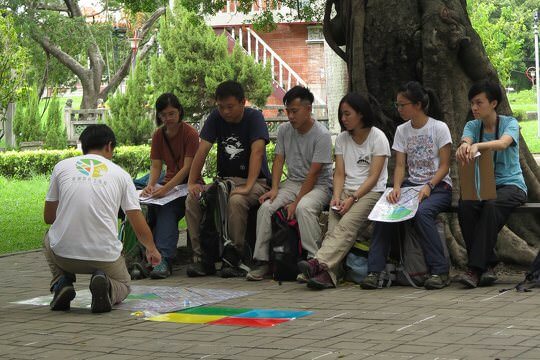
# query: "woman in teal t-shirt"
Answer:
x=481 y=221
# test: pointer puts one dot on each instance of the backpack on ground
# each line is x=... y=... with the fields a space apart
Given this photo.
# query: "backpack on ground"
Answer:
x=410 y=267
x=133 y=251
x=285 y=247
x=213 y=232
x=532 y=278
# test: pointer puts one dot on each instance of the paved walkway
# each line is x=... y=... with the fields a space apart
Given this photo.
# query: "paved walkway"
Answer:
x=348 y=323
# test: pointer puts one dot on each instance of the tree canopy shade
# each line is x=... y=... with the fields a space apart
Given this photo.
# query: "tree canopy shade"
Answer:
x=433 y=42
x=60 y=28
x=13 y=61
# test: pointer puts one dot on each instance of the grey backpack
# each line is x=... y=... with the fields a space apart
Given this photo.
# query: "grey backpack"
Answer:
x=410 y=268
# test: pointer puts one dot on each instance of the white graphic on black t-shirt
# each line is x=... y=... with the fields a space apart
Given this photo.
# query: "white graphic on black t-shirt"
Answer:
x=233 y=147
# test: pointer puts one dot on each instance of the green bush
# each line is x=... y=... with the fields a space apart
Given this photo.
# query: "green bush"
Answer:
x=27 y=121
x=26 y=164
x=55 y=129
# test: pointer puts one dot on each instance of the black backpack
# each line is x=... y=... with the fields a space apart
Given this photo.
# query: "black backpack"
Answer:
x=532 y=278
x=285 y=247
x=213 y=228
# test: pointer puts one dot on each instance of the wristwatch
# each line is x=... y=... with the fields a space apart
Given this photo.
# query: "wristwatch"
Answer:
x=355 y=198
x=430 y=184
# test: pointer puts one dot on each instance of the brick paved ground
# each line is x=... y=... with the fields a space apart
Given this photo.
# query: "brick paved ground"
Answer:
x=348 y=323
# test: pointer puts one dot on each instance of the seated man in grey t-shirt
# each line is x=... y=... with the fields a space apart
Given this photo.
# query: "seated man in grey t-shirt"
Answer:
x=306 y=147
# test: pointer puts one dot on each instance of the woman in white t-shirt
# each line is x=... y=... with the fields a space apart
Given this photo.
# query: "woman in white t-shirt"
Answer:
x=423 y=145
x=361 y=155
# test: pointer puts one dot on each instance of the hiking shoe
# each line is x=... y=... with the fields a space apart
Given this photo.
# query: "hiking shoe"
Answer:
x=301 y=278
x=470 y=279
x=233 y=271
x=100 y=289
x=161 y=270
x=258 y=272
x=309 y=268
x=437 y=281
x=487 y=278
x=371 y=281
x=200 y=269
x=64 y=292
x=321 y=281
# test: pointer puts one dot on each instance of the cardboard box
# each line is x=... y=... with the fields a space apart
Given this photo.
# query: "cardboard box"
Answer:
x=480 y=171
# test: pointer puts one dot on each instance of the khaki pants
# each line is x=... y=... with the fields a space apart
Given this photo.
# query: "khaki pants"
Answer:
x=307 y=213
x=237 y=215
x=116 y=271
x=343 y=231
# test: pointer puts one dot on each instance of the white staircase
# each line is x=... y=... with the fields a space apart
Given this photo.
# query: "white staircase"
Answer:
x=283 y=75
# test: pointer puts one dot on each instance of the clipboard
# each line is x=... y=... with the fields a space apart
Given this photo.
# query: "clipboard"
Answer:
x=481 y=171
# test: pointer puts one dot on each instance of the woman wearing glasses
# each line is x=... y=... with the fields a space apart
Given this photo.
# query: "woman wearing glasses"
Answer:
x=175 y=144
x=423 y=145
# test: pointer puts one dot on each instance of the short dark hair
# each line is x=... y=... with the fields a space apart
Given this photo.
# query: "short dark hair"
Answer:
x=95 y=137
x=361 y=106
x=168 y=99
x=490 y=88
x=230 y=88
x=298 y=92
x=416 y=93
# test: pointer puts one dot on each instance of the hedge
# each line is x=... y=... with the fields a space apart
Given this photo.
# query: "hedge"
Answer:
x=25 y=164
x=134 y=159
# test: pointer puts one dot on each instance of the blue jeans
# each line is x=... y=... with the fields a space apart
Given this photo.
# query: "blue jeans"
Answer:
x=166 y=226
x=424 y=224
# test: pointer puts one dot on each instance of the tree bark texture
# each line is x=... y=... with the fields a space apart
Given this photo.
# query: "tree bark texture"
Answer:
x=391 y=42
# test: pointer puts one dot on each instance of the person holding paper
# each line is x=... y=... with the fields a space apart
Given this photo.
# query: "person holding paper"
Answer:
x=361 y=158
x=423 y=144
x=481 y=221
x=175 y=144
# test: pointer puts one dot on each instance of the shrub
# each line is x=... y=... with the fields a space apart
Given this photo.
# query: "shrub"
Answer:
x=27 y=121
x=56 y=137
x=131 y=116
x=26 y=164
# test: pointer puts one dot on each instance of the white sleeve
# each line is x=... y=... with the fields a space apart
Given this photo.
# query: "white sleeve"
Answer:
x=381 y=146
x=443 y=135
x=130 y=199
x=53 y=193
x=338 y=148
x=400 y=140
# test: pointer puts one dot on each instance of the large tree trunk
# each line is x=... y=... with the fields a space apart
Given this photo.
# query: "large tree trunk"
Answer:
x=390 y=42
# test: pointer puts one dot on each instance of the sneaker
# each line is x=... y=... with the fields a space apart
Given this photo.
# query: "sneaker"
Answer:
x=309 y=268
x=233 y=271
x=301 y=278
x=64 y=292
x=200 y=269
x=161 y=270
x=470 y=279
x=321 y=281
x=436 y=282
x=487 y=278
x=371 y=281
x=258 y=272
x=100 y=289
x=230 y=256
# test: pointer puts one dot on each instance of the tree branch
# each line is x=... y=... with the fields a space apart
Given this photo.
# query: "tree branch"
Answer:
x=124 y=69
x=61 y=56
x=51 y=7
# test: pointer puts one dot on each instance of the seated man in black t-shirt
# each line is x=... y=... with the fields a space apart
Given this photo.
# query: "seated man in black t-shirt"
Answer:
x=241 y=135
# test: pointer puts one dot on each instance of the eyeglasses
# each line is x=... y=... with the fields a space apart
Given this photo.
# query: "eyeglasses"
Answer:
x=401 y=106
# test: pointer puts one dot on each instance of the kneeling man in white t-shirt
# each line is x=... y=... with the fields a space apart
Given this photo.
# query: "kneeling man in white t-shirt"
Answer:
x=85 y=195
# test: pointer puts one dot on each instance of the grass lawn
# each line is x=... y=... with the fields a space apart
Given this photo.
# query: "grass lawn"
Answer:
x=529 y=131
x=21 y=218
